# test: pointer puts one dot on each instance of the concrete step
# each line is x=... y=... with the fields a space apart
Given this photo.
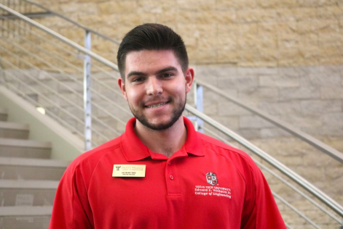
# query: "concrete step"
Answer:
x=25 y=210
x=46 y=85
x=31 y=169
x=25 y=217
x=24 y=148
x=49 y=99
x=14 y=130
x=112 y=93
x=3 y=114
x=27 y=192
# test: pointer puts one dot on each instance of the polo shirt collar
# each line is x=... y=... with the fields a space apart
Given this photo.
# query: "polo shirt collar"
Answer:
x=134 y=149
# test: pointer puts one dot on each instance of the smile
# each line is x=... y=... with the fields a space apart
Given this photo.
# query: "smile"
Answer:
x=156 y=105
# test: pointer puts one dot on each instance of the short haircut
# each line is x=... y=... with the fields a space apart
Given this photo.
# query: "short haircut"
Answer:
x=151 y=37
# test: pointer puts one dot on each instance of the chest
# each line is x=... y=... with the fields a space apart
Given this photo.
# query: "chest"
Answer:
x=181 y=193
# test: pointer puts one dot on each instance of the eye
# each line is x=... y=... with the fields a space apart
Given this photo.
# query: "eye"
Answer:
x=138 y=79
x=167 y=75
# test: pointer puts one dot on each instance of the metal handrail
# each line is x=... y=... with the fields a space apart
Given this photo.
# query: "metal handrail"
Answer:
x=66 y=100
x=74 y=22
x=38 y=104
x=301 y=181
x=34 y=90
x=88 y=54
x=62 y=38
x=296 y=210
x=278 y=165
x=302 y=135
x=58 y=95
x=67 y=63
x=103 y=97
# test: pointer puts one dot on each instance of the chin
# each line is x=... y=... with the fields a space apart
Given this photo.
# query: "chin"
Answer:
x=158 y=126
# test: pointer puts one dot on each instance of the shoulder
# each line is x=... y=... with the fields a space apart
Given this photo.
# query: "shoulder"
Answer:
x=219 y=147
x=240 y=159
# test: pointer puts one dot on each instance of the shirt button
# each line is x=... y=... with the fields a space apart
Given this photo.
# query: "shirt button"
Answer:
x=171 y=177
x=169 y=163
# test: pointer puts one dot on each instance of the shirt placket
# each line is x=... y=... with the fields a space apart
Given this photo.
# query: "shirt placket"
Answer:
x=172 y=178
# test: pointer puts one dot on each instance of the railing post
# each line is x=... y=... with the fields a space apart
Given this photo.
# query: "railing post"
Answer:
x=198 y=100
x=87 y=93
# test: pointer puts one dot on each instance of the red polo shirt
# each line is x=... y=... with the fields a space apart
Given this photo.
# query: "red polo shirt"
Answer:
x=206 y=184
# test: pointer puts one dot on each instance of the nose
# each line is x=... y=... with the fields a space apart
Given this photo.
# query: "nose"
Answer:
x=154 y=86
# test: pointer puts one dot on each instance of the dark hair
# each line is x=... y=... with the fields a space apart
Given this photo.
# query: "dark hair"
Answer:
x=151 y=37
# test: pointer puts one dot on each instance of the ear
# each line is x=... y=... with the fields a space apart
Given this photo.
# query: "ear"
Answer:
x=189 y=76
x=122 y=87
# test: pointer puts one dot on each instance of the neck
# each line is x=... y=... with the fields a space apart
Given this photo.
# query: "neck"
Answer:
x=166 y=141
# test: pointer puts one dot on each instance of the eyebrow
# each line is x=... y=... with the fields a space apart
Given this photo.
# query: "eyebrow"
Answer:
x=171 y=68
x=137 y=73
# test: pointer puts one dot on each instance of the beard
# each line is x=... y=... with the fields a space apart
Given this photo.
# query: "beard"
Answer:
x=174 y=116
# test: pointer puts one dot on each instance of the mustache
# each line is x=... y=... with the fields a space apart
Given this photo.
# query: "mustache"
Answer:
x=157 y=99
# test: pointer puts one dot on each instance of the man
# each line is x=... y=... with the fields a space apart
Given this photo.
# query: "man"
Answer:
x=161 y=173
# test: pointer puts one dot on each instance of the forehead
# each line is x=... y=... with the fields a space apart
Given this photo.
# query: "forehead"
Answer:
x=150 y=60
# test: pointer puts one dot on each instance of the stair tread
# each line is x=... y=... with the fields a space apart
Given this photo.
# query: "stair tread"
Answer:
x=29 y=184
x=3 y=114
x=33 y=162
x=3 y=110
x=24 y=143
x=25 y=210
x=13 y=126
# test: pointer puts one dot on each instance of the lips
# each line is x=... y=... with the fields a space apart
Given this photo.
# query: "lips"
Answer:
x=155 y=104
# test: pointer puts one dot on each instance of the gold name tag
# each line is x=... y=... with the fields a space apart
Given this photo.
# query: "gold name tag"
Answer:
x=128 y=171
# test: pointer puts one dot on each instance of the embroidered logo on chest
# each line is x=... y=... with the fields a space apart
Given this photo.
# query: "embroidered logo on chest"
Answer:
x=214 y=189
x=211 y=178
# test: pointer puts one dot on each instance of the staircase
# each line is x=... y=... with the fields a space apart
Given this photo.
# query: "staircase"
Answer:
x=28 y=177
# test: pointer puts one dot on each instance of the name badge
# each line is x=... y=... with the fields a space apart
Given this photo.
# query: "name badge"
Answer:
x=128 y=171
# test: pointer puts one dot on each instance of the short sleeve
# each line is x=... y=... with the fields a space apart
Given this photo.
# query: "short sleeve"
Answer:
x=264 y=212
x=71 y=208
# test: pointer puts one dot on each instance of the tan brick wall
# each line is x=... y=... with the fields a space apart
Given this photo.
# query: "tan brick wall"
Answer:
x=235 y=32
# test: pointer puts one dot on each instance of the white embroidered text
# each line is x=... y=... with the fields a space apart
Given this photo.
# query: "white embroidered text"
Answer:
x=212 y=191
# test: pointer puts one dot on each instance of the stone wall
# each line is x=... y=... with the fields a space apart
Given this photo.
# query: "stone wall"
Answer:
x=310 y=98
x=236 y=32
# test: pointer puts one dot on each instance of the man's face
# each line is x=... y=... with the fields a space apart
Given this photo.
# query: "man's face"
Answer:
x=155 y=87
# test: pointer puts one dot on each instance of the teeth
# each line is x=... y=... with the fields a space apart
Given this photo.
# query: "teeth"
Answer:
x=156 y=105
